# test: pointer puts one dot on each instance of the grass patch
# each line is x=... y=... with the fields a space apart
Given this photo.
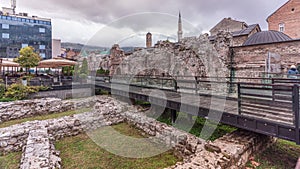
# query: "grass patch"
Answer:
x=197 y=126
x=44 y=117
x=10 y=161
x=6 y=99
x=283 y=154
x=80 y=152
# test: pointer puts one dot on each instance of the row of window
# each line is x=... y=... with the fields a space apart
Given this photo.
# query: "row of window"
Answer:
x=41 y=47
x=13 y=18
x=6 y=26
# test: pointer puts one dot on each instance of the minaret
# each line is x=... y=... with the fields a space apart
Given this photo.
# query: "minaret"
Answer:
x=149 y=40
x=179 y=28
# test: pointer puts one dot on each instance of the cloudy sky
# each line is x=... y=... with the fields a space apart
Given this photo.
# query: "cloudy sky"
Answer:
x=104 y=22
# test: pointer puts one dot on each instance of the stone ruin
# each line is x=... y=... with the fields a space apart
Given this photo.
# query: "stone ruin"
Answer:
x=194 y=56
x=36 y=138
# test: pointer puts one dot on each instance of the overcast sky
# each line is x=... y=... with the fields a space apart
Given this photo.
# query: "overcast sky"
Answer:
x=104 y=22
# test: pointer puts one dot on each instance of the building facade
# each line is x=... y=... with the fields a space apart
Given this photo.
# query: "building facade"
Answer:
x=286 y=19
x=228 y=25
x=18 y=31
x=56 y=48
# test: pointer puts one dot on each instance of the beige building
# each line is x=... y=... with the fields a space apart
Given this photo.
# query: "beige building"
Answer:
x=56 y=47
x=239 y=30
x=228 y=25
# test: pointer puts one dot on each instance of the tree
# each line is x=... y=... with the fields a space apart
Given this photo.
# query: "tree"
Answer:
x=84 y=67
x=28 y=58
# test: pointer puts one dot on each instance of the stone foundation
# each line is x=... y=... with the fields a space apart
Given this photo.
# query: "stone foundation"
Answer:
x=36 y=138
x=230 y=151
x=39 y=152
x=29 y=108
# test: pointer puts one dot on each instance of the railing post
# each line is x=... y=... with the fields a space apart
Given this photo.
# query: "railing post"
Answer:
x=296 y=111
x=239 y=98
x=175 y=84
x=173 y=116
x=196 y=85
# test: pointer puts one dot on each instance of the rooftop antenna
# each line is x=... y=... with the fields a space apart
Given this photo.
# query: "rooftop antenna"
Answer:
x=13 y=6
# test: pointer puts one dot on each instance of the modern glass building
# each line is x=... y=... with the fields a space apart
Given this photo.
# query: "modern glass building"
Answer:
x=18 y=31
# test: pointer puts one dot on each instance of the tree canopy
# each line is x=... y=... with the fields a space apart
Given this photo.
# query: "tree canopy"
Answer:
x=28 y=57
x=84 y=67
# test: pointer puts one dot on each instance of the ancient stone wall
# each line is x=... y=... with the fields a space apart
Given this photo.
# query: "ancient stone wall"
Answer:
x=28 y=108
x=39 y=152
x=230 y=151
x=250 y=60
x=184 y=143
x=36 y=138
x=13 y=138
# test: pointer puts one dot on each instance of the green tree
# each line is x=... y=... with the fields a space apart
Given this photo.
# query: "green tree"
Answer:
x=28 y=58
x=84 y=67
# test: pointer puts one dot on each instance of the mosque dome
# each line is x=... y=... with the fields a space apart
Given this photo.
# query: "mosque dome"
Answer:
x=266 y=37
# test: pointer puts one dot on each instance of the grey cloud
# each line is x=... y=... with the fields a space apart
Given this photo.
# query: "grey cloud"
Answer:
x=204 y=14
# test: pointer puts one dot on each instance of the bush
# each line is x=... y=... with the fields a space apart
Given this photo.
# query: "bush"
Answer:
x=101 y=71
x=2 y=90
x=83 y=76
x=18 y=91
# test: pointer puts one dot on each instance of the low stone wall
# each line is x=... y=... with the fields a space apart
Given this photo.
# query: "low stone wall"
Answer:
x=182 y=142
x=230 y=151
x=13 y=138
x=28 y=108
x=39 y=152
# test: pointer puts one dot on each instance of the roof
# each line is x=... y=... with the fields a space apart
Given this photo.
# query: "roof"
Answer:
x=278 y=9
x=243 y=32
x=246 y=31
x=227 y=19
x=266 y=37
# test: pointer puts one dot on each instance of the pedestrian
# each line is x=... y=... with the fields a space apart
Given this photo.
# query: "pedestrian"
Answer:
x=293 y=72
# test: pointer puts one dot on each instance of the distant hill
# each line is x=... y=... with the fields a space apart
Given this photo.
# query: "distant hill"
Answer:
x=78 y=46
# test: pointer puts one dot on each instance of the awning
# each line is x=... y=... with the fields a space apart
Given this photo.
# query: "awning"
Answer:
x=7 y=63
x=55 y=63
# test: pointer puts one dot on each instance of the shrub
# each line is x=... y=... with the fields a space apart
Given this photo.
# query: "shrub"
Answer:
x=101 y=71
x=83 y=76
x=18 y=91
x=2 y=90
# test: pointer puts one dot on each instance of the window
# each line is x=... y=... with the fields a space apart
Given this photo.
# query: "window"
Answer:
x=42 y=30
x=24 y=45
x=5 y=26
x=281 y=27
x=42 y=47
x=5 y=35
x=43 y=55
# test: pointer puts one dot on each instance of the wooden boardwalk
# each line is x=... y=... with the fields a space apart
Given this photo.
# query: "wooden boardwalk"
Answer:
x=262 y=110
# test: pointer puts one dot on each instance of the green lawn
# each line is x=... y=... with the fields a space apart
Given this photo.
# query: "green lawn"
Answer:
x=44 y=117
x=198 y=125
x=80 y=152
x=282 y=155
x=10 y=161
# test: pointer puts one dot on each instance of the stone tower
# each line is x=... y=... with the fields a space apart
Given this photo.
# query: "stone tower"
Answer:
x=149 y=40
x=180 y=32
